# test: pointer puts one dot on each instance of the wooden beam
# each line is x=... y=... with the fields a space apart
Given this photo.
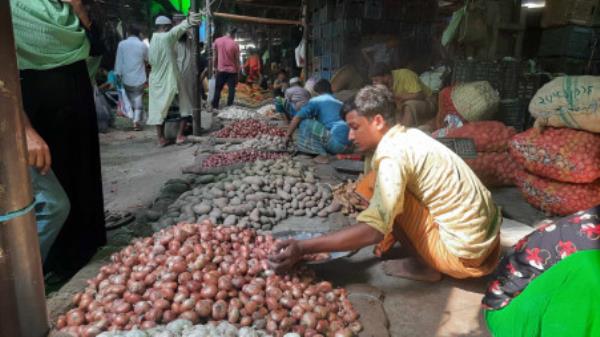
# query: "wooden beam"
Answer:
x=254 y=19
x=251 y=4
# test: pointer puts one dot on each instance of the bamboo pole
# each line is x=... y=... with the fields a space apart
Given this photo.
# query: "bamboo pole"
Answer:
x=196 y=99
x=254 y=19
x=22 y=302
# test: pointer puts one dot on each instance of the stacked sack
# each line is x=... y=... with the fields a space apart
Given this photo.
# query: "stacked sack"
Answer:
x=493 y=164
x=563 y=169
x=562 y=154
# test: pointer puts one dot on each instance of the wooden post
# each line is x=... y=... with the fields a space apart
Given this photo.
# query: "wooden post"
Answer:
x=22 y=300
x=209 y=40
x=196 y=99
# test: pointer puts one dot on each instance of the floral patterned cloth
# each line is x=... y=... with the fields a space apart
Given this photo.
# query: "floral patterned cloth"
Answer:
x=537 y=252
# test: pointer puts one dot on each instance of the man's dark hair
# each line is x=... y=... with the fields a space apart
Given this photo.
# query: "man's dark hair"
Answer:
x=232 y=31
x=323 y=87
x=134 y=30
x=379 y=69
x=375 y=100
x=348 y=107
x=201 y=45
x=282 y=71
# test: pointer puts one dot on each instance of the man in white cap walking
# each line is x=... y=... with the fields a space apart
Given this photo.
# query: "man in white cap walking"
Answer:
x=165 y=78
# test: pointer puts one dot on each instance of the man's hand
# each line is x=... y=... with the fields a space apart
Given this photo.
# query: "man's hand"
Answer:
x=79 y=10
x=287 y=254
x=194 y=19
x=38 y=151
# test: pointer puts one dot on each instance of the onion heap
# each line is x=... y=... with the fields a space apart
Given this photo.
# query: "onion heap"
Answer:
x=237 y=157
x=249 y=128
x=206 y=273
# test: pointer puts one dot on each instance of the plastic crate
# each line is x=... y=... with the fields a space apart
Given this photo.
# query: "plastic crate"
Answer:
x=325 y=74
x=336 y=61
x=316 y=62
x=317 y=32
x=512 y=112
x=327 y=46
x=326 y=61
x=570 y=41
x=327 y=30
x=373 y=9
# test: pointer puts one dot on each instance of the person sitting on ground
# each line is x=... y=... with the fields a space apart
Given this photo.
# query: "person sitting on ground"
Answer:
x=547 y=285
x=280 y=84
x=130 y=66
x=296 y=97
x=165 y=79
x=414 y=101
x=321 y=130
x=420 y=193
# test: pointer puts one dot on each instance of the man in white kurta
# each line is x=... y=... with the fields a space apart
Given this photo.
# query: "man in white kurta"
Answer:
x=165 y=78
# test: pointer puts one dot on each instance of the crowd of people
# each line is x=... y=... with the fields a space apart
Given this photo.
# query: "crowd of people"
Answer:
x=419 y=192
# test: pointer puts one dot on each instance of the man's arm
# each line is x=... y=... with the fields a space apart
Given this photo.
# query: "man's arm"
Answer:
x=289 y=252
x=38 y=152
x=293 y=126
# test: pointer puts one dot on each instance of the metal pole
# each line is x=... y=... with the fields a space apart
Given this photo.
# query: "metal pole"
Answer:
x=22 y=301
x=209 y=40
x=196 y=99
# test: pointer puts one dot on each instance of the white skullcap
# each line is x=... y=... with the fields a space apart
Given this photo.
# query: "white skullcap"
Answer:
x=294 y=80
x=162 y=20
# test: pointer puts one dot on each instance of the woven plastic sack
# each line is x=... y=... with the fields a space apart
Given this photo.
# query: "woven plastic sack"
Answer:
x=564 y=155
x=476 y=101
x=489 y=136
x=569 y=101
x=495 y=169
x=555 y=197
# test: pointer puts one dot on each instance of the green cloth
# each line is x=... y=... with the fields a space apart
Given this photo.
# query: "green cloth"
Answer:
x=450 y=31
x=563 y=301
x=165 y=78
x=47 y=34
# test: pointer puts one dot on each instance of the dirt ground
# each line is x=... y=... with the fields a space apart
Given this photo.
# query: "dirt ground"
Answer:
x=134 y=170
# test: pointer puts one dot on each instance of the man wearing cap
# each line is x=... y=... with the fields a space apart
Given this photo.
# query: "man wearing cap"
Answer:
x=296 y=97
x=165 y=78
x=227 y=58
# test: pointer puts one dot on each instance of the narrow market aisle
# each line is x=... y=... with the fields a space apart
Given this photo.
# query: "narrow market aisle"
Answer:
x=134 y=167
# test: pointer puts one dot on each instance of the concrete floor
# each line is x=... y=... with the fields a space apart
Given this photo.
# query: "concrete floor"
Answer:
x=134 y=169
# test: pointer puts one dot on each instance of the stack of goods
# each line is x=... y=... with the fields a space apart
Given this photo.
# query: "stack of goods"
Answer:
x=493 y=164
x=257 y=195
x=563 y=169
x=250 y=128
x=249 y=95
x=351 y=202
x=202 y=273
x=239 y=157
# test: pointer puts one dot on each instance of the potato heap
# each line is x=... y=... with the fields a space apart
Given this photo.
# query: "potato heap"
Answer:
x=258 y=195
x=203 y=273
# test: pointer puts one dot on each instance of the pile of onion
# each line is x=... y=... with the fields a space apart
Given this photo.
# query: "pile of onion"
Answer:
x=204 y=273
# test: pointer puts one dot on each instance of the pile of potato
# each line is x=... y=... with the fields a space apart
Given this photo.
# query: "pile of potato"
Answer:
x=257 y=195
x=249 y=128
x=205 y=273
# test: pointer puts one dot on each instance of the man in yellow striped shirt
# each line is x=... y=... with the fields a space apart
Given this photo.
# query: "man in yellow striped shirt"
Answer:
x=421 y=194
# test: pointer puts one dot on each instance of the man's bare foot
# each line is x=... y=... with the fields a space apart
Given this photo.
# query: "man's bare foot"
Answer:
x=321 y=159
x=162 y=142
x=412 y=269
x=180 y=140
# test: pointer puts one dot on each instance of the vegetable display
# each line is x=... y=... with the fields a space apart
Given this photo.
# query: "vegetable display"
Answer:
x=249 y=128
x=240 y=156
x=204 y=273
x=258 y=195
x=565 y=155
